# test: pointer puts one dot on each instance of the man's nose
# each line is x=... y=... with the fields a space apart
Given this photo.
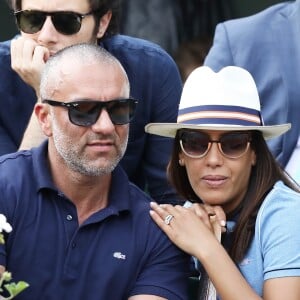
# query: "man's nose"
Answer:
x=103 y=123
x=48 y=33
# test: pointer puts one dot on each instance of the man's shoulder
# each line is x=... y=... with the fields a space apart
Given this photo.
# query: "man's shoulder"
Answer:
x=20 y=162
x=15 y=170
x=5 y=55
x=16 y=159
x=148 y=66
x=5 y=48
x=123 y=46
x=250 y=33
x=11 y=80
x=139 y=204
x=139 y=198
x=130 y=42
x=265 y=16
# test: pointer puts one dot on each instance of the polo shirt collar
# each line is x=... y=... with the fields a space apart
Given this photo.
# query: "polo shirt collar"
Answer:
x=119 y=194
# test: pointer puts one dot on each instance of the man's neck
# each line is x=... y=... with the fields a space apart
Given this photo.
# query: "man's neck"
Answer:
x=88 y=193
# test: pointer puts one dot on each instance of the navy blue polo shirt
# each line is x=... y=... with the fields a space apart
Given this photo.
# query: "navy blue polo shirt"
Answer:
x=116 y=253
x=154 y=81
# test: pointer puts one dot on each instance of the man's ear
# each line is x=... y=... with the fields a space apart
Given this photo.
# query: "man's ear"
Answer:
x=103 y=24
x=42 y=112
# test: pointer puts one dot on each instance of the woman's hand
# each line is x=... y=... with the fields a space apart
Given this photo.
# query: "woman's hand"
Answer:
x=191 y=229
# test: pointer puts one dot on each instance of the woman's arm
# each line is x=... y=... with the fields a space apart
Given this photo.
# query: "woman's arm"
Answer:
x=194 y=234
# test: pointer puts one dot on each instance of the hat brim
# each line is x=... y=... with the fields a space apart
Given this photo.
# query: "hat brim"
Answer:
x=170 y=129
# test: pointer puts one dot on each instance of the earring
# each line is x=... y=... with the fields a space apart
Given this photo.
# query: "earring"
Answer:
x=181 y=163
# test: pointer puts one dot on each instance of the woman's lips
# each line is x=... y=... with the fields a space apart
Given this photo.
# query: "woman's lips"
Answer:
x=214 y=180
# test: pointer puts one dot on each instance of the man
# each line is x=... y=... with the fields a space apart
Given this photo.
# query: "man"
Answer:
x=81 y=230
x=153 y=76
x=267 y=45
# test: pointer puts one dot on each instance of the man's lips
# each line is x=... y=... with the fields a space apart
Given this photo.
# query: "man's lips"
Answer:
x=101 y=145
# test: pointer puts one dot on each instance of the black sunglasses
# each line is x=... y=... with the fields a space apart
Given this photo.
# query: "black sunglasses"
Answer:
x=65 y=22
x=197 y=144
x=86 y=112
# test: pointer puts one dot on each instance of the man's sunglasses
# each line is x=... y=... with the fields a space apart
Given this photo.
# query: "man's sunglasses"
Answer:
x=197 y=144
x=86 y=112
x=65 y=22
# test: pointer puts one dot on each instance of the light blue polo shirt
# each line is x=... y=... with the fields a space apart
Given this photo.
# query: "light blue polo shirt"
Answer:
x=275 y=248
x=293 y=166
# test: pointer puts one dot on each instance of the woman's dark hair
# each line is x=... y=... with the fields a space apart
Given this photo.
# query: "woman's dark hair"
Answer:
x=100 y=7
x=263 y=177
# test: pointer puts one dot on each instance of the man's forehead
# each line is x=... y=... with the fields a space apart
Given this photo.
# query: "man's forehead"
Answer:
x=75 y=66
x=75 y=78
x=55 y=5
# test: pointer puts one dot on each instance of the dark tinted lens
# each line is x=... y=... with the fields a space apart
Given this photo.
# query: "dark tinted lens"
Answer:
x=66 y=22
x=121 y=111
x=194 y=143
x=234 y=144
x=30 y=21
x=86 y=113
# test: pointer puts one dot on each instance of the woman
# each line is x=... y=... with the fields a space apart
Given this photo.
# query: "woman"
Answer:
x=220 y=158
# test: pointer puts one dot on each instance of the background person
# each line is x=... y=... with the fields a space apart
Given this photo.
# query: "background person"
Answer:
x=81 y=230
x=266 y=44
x=220 y=157
x=153 y=76
x=190 y=55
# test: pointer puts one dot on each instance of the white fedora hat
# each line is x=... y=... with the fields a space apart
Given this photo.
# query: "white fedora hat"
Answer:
x=227 y=100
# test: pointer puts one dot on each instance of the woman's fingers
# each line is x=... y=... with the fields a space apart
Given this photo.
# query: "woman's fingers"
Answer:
x=183 y=226
x=162 y=218
x=204 y=212
x=210 y=211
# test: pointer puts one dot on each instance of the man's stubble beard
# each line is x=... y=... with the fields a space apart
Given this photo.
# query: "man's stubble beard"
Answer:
x=81 y=163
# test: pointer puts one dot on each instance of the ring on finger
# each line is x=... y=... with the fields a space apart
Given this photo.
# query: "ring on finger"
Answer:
x=168 y=219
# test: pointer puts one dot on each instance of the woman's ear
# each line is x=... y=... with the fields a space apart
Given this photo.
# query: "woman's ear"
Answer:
x=181 y=160
x=253 y=158
x=103 y=24
x=42 y=112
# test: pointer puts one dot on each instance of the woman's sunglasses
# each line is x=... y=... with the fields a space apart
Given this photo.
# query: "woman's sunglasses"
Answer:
x=65 y=22
x=86 y=112
x=197 y=144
